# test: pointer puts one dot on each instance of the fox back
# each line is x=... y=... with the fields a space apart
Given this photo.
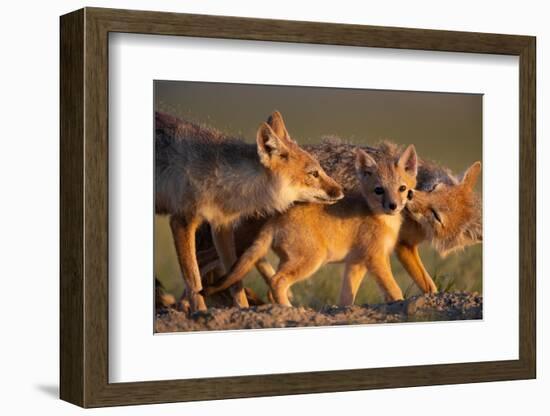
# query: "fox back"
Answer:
x=191 y=161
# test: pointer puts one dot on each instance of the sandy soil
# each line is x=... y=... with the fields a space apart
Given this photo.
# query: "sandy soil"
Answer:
x=437 y=307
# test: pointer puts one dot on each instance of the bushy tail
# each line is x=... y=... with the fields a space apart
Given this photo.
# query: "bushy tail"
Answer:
x=246 y=262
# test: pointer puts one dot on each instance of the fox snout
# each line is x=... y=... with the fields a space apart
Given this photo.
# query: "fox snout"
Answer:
x=332 y=189
x=390 y=207
x=335 y=191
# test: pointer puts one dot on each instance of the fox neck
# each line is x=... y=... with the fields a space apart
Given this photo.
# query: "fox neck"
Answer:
x=260 y=192
x=269 y=193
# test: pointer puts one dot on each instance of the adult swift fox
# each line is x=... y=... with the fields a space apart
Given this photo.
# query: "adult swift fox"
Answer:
x=360 y=231
x=204 y=176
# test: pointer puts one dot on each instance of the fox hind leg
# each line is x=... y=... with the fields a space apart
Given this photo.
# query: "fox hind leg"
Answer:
x=381 y=269
x=410 y=259
x=353 y=275
x=289 y=273
x=267 y=272
x=225 y=246
x=183 y=233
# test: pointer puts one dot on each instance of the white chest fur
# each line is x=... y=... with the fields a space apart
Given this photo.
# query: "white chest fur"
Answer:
x=392 y=223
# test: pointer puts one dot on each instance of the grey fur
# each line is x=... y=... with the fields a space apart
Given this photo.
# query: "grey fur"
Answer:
x=198 y=165
x=338 y=157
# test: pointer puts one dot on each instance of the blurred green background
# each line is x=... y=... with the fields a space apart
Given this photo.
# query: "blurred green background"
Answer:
x=444 y=127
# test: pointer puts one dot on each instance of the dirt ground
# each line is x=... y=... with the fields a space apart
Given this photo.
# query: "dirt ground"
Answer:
x=423 y=308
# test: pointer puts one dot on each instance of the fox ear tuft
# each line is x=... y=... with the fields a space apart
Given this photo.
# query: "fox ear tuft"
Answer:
x=408 y=160
x=472 y=173
x=364 y=163
x=277 y=123
x=269 y=145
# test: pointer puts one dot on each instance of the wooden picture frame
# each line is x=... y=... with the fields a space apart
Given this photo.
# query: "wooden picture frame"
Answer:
x=84 y=207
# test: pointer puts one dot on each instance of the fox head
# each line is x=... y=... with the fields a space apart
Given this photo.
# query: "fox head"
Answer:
x=450 y=215
x=385 y=183
x=302 y=177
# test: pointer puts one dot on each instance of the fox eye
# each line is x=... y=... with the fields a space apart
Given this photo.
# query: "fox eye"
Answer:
x=436 y=186
x=436 y=216
x=378 y=190
x=402 y=188
x=314 y=173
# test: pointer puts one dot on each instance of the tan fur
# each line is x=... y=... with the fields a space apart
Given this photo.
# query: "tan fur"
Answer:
x=360 y=231
x=204 y=176
x=449 y=216
x=453 y=198
x=438 y=190
x=337 y=158
x=162 y=297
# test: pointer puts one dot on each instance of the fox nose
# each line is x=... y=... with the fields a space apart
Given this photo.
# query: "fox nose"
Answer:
x=392 y=206
x=335 y=193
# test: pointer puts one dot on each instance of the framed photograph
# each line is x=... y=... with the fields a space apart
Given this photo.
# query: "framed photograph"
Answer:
x=255 y=207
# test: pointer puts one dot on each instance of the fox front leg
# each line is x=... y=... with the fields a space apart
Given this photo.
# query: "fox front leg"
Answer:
x=183 y=233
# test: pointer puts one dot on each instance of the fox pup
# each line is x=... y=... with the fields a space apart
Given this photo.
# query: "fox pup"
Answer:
x=204 y=176
x=360 y=231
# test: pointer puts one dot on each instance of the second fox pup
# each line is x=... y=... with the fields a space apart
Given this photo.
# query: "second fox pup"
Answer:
x=360 y=231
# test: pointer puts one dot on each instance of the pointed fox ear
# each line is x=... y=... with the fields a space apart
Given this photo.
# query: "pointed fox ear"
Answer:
x=277 y=123
x=469 y=178
x=269 y=145
x=408 y=160
x=364 y=163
